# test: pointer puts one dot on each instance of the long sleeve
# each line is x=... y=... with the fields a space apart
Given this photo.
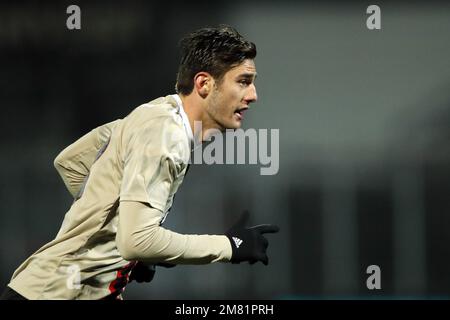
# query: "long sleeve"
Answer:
x=74 y=162
x=140 y=237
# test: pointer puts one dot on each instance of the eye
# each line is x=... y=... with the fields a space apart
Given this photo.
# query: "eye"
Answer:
x=245 y=82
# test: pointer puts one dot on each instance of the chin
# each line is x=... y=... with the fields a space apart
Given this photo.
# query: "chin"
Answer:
x=232 y=123
x=235 y=125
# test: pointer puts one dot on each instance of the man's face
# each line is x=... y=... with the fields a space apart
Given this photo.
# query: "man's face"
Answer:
x=231 y=97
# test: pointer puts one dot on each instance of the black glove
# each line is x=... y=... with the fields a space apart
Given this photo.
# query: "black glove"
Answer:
x=249 y=244
x=142 y=272
x=145 y=273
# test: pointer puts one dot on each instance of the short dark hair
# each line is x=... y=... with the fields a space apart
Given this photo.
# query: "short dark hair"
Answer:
x=213 y=50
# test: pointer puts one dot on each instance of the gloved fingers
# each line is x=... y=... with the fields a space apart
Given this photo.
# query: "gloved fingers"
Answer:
x=261 y=256
x=266 y=228
x=264 y=242
x=142 y=273
x=143 y=277
x=265 y=259
x=142 y=266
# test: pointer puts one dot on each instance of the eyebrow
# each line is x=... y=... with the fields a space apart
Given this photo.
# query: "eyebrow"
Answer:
x=248 y=75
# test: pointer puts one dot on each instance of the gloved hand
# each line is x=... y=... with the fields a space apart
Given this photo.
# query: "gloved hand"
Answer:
x=248 y=243
x=145 y=273
x=142 y=272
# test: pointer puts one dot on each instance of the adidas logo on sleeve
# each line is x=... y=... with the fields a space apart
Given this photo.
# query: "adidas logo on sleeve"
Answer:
x=237 y=241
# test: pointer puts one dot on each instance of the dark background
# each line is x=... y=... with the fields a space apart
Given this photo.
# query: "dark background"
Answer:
x=364 y=119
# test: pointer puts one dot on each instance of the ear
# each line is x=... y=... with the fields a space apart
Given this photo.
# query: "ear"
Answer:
x=203 y=83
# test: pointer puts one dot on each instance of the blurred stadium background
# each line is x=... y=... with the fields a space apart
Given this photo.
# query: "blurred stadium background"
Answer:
x=364 y=120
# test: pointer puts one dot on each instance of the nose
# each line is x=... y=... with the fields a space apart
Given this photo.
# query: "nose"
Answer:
x=251 y=95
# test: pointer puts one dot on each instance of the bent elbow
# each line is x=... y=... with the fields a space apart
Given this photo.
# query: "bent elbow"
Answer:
x=126 y=249
x=59 y=161
x=129 y=255
x=137 y=232
x=132 y=247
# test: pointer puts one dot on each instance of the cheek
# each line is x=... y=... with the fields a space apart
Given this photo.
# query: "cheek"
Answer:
x=226 y=101
x=234 y=97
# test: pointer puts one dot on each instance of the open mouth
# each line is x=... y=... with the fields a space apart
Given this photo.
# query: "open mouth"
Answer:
x=240 y=113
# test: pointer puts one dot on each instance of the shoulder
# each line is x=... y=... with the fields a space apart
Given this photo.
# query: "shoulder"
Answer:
x=158 y=124
x=161 y=111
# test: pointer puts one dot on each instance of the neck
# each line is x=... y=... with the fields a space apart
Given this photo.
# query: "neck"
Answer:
x=195 y=108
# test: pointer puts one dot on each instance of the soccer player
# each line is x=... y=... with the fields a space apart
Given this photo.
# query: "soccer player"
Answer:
x=123 y=177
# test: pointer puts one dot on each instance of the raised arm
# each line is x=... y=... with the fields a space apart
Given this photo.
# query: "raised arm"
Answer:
x=74 y=162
